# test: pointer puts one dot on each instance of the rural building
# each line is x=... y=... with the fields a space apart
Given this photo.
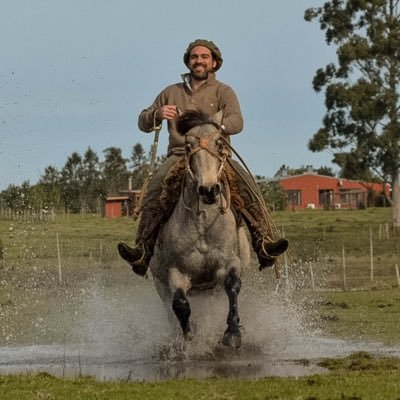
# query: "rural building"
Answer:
x=122 y=205
x=310 y=190
x=307 y=190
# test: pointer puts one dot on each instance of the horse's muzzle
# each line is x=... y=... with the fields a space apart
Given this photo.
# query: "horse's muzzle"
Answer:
x=209 y=195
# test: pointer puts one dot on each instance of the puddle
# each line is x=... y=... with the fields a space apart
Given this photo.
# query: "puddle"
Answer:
x=71 y=362
x=119 y=332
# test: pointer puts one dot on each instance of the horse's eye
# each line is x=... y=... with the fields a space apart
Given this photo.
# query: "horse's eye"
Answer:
x=188 y=147
x=220 y=144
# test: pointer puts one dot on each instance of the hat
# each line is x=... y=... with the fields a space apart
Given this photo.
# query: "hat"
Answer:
x=205 y=43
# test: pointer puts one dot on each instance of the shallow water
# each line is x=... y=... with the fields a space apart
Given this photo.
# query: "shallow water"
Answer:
x=120 y=332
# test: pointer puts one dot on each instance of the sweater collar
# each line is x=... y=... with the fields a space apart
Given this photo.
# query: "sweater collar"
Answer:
x=186 y=79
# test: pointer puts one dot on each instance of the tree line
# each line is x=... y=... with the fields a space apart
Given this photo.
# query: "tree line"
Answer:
x=82 y=184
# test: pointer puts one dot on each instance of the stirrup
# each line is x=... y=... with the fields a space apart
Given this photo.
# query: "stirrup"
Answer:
x=136 y=257
x=269 y=252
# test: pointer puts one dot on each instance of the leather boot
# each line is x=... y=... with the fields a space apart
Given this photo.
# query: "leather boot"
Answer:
x=266 y=247
x=139 y=257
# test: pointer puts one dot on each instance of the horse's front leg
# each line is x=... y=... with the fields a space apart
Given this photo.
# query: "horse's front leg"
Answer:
x=179 y=284
x=181 y=307
x=232 y=336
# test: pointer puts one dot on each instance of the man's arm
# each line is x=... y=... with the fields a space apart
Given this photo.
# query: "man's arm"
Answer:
x=147 y=118
x=233 y=119
x=160 y=109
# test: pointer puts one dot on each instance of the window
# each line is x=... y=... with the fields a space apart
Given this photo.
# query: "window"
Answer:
x=344 y=196
x=294 y=197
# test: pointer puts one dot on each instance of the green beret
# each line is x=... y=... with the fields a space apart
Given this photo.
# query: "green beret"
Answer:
x=205 y=43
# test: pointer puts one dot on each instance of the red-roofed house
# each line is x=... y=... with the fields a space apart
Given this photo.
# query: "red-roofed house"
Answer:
x=310 y=190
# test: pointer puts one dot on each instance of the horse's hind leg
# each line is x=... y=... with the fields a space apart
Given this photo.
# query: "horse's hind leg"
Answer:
x=232 y=336
x=181 y=307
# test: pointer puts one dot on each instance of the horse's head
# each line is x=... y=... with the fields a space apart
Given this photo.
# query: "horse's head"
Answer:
x=205 y=152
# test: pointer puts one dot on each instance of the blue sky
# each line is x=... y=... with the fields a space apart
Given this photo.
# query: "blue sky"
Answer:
x=76 y=73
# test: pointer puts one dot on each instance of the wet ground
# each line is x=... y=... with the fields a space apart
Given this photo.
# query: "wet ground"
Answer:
x=120 y=332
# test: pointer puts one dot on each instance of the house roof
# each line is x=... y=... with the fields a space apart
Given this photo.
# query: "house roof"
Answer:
x=117 y=198
x=331 y=180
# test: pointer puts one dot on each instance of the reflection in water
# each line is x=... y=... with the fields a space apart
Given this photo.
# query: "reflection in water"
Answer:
x=69 y=362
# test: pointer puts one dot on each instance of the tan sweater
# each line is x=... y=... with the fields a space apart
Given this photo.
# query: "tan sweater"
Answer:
x=210 y=98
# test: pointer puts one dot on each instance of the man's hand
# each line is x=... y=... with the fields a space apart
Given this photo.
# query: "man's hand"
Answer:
x=167 y=112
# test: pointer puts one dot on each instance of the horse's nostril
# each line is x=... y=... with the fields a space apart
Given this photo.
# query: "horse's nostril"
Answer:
x=209 y=194
x=203 y=191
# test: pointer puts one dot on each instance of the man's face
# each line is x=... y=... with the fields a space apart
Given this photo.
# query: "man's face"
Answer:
x=201 y=62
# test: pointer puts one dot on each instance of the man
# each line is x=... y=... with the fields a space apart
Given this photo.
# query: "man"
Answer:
x=199 y=90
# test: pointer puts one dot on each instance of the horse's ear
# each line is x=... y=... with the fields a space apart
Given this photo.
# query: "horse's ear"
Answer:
x=218 y=117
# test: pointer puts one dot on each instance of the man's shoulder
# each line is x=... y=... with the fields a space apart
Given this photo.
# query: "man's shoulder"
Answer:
x=214 y=81
x=173 y=87
x=222 y=86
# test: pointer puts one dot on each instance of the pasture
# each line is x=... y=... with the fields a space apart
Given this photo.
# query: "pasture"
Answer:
x=63 y=284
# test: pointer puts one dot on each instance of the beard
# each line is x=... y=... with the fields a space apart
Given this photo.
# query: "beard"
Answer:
x=199 y=76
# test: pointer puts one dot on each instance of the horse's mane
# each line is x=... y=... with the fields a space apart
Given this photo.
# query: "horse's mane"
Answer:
x=191 y=118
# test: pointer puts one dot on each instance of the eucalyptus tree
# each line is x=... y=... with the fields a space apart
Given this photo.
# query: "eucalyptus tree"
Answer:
x=71 y=183
x=361 y=125
x=115 y=171
x=17 y=198
x=92 y=186
x=140 y=165
x=50 y=182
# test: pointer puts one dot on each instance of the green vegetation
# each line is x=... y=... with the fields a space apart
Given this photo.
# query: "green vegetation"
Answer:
x=30 y=287
x=81 y=185
x=361 y=125
x=357 y=377
x=318 y=239
x=367 y=316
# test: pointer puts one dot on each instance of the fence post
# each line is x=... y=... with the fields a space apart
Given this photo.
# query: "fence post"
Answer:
x=397 y=274
x=101 y=253
x=312 y=276
x=371 y=253
x=344 y=269
x=59 y=259
x=286 y=272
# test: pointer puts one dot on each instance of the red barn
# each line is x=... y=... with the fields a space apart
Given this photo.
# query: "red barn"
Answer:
x=122 y=205
x=310 y=190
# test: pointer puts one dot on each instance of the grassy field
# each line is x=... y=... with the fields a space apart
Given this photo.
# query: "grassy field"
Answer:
x=358 y=377
x=47 y=262
x=318 y=241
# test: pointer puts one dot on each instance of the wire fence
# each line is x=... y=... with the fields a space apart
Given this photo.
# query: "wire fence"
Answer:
x=325 y=258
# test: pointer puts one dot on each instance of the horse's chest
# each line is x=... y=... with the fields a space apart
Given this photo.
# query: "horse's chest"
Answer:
x=200 y=244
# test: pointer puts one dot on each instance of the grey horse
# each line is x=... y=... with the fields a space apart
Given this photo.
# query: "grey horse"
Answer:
x=201 y=246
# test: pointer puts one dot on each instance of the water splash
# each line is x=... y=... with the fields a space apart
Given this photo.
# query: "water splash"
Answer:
x=114 y=326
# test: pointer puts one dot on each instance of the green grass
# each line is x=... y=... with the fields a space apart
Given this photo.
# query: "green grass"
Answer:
x=79 y=236
x=367 y=316
x=357 y=377
x=29 y=286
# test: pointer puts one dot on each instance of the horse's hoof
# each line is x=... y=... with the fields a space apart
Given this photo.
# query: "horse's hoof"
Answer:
x=231 y=339
x=188 y=336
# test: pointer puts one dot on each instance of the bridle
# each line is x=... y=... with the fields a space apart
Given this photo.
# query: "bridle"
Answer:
x=203 y=143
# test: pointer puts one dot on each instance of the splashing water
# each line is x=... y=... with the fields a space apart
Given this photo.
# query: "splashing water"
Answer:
x=120 y=331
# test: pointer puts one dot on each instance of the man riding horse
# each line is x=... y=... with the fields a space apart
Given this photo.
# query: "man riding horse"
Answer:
x=200 y=90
